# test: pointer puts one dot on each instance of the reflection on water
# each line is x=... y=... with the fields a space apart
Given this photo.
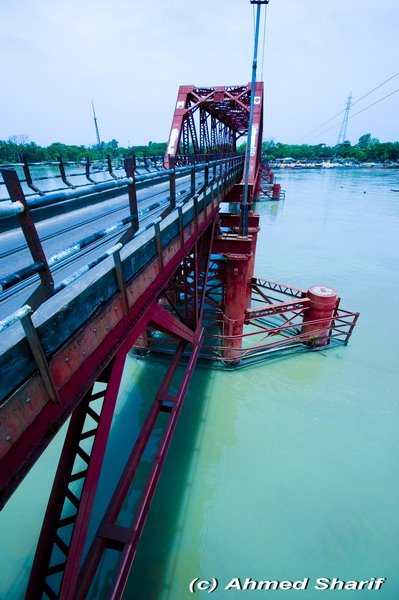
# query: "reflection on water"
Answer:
x=283 y=470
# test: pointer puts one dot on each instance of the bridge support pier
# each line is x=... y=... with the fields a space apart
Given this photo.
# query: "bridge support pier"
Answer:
x=253 y=231
x=236 y=298
x=323 y=304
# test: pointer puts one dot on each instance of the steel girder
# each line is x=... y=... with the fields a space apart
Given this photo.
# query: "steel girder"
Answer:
x=81 y=360
x=56 y=572
x=208 y=121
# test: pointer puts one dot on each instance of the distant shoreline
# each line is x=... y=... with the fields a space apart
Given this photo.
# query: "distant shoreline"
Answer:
x=299 y=165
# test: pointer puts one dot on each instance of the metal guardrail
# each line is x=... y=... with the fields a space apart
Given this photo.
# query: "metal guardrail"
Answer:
x=188 y=213
x=42 y=265
x=91 y=168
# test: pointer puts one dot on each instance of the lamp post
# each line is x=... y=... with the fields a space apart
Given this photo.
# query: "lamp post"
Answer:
x=245 y=205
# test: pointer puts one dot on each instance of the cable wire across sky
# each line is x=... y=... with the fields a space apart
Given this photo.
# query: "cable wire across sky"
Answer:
x=358 y=113
x=342 y=111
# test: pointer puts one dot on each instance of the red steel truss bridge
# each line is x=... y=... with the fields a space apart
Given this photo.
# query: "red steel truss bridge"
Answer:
x=103 y=259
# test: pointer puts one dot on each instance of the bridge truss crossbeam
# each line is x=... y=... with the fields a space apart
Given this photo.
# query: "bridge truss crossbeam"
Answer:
x=208 y=121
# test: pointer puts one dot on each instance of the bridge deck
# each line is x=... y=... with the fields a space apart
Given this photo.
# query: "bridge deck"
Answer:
x=82 y=327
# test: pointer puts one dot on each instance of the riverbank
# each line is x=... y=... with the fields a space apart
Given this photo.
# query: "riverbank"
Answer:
x=329 y=164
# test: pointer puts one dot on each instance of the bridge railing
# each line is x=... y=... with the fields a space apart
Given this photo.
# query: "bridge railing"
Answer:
x=213 y=173
x=20 y=206
x=149 y=243
x=60 y=175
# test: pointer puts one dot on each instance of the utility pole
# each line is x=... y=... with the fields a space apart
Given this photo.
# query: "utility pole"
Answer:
x=344 y=124
x=244 y=205
x=95 y=124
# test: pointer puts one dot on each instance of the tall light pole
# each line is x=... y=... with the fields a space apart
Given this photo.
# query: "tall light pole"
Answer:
x=245 y=205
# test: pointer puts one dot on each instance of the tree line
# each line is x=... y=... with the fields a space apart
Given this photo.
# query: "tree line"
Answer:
x=18 y=148
x=367 y=149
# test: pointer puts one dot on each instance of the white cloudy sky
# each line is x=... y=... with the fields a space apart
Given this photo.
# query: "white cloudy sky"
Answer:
x=131 y=55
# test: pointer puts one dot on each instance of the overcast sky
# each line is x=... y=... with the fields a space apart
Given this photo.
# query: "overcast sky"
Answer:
x=130 y=56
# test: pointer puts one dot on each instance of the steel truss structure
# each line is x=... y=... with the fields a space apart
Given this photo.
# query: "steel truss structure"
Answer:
x=272 y=323
x=207 y=122
x=57 y=571
x=177 y=312
x=183 y=283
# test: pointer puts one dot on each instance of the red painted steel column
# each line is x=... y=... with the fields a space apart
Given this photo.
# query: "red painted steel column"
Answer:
x=253 y=232
x=323 y=301
x=276 y=191
x=235 y=305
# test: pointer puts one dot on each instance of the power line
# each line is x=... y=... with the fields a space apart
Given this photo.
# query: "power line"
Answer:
x=374 y=103
x=342 y=111
x=322 y=125
x=376 y=88
x=354 y=115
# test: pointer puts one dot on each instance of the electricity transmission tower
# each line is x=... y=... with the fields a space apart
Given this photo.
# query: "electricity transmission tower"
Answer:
x=95 y=124
x=344 y=124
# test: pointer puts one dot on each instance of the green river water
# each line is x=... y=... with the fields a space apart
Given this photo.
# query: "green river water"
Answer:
x=281 y=471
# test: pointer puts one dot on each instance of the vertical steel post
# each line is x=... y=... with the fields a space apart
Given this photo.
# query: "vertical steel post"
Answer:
x=61 y=167
x=29 y=230
x=87 y=171
x=39 y=356
x=234 y=306
x=245 y=202
x=110 y=168
x=253 y=231
x=121 y=281
x=192 y=181
x=181 y=228
x=172 y=182
x=28 y=178
x=130 y=167
x=206 y=170
x=158 y=244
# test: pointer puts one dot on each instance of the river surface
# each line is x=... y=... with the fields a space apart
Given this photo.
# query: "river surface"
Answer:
x=286 y=470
